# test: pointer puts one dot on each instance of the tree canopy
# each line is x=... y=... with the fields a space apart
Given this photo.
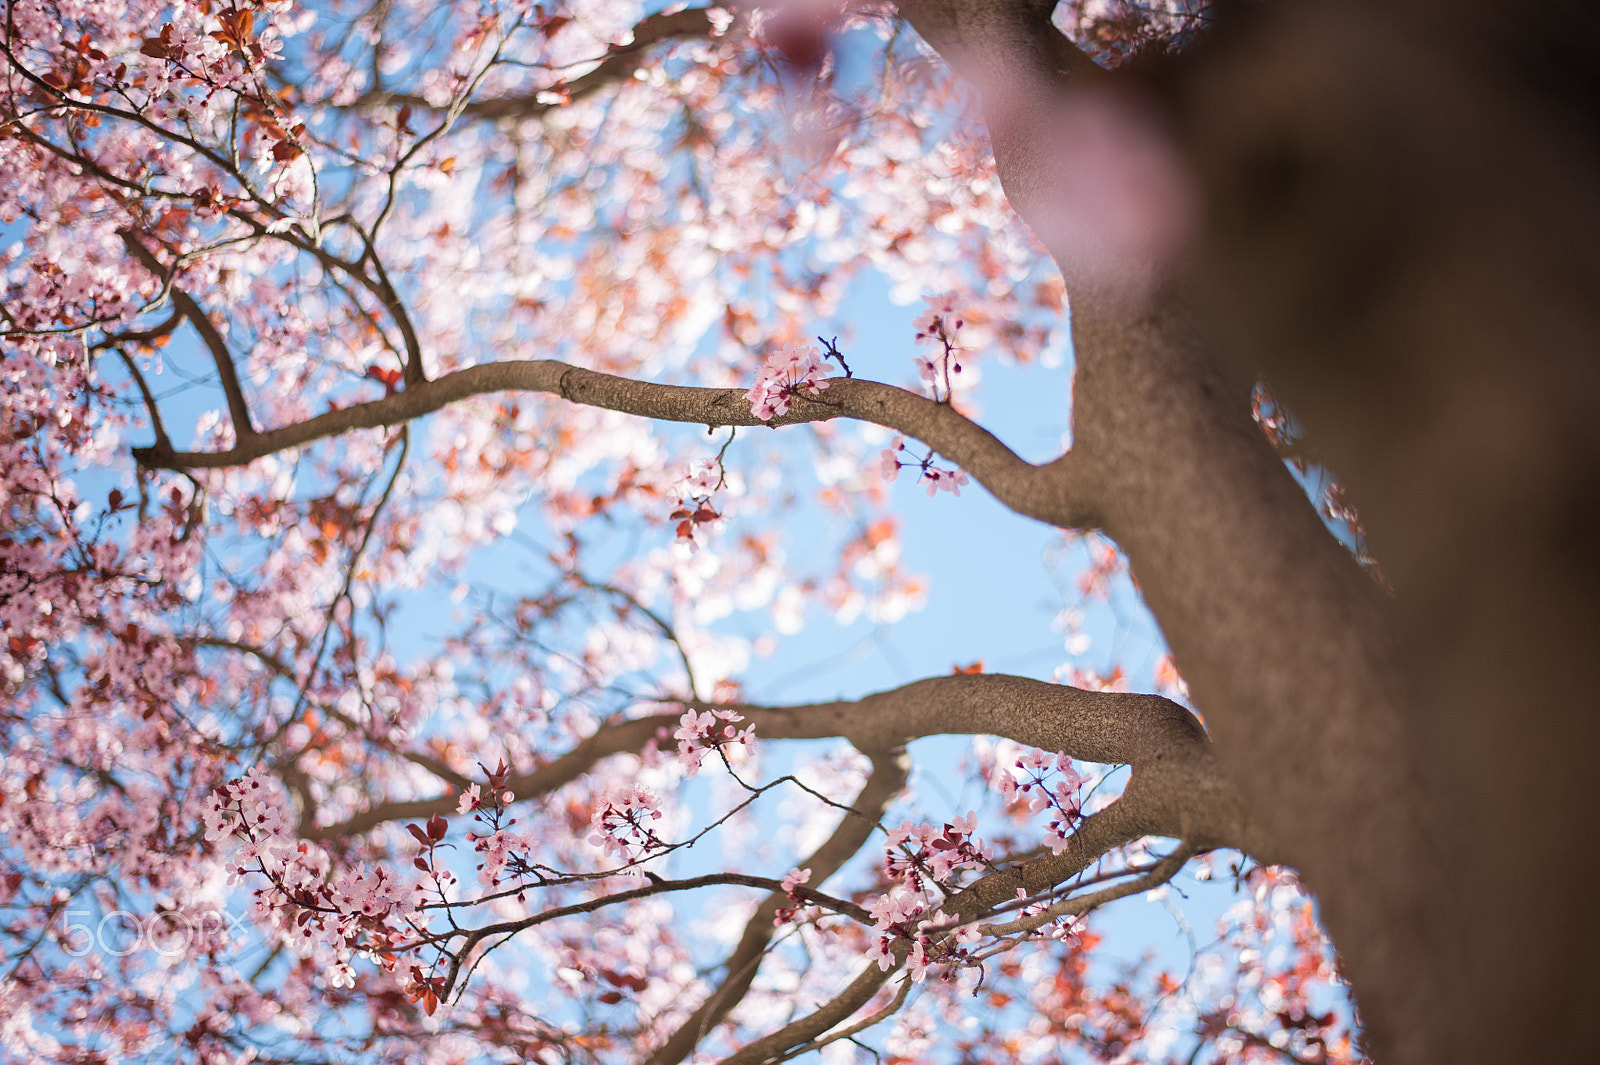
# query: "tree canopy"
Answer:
x=313 y=306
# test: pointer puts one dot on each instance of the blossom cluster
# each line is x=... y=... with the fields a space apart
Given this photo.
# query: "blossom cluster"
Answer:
x=622 y=822
x=917 y=859
x=1048 y=782
x=940 y=324
x=937 y=478
x=309 y=905
x=787 y=372
x=695 y=491
x=710 y=730
x=251 y=808
x=497 y=849
x=790 y=885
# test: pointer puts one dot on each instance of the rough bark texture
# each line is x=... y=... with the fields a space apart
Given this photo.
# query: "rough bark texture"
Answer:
x=1398 y=228
x=1419 y=281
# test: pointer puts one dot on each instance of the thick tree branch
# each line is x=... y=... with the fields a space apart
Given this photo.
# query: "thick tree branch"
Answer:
x=1294 y=663
x=617 y=65
x=1049 y=492
x=1142 y=810
x=1178 y=789
x=619 y=738
x=883 y=1013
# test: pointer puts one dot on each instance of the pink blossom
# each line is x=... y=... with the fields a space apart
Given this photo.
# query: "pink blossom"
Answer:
x=941 y=319
x=794 y=878
x=497 y=850
x=622 y=822
x=940 y=480
x=340 y=974
x=702 y=479
x=889 y=460
x=710 y=730
x=787 y=372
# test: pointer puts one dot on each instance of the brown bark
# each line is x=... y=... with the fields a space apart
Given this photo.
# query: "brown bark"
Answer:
x=1419 y=281
x=1400 y=234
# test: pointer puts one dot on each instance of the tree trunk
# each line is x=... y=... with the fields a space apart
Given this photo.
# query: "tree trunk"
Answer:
x=1396 y=225
x=1401 y=234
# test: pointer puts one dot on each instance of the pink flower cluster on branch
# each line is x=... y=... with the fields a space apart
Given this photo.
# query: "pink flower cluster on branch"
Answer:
x=1048 y=783
x=787 y=372
x=940 y=324
x=707 y=731
x=253 y=809
x=498 y=845
x=623 y=821
x=364 y=909
x=937 y=478
x=791 y=882
x=920 y=859
x=695 y=492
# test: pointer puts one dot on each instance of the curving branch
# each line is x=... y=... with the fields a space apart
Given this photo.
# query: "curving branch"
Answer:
x=1178 y=789
x=1053 y=492
x=890 y=770
x=620 y=738
x=1175 y=790
x=614 y=67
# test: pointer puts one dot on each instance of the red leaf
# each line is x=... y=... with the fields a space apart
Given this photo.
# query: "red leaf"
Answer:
x=158 y=47
x=421 y=863
x=611 y=998
x=422 y=837
x=437 y=827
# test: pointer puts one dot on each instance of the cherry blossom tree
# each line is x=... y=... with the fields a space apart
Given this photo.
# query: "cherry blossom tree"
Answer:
x=309 y=305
